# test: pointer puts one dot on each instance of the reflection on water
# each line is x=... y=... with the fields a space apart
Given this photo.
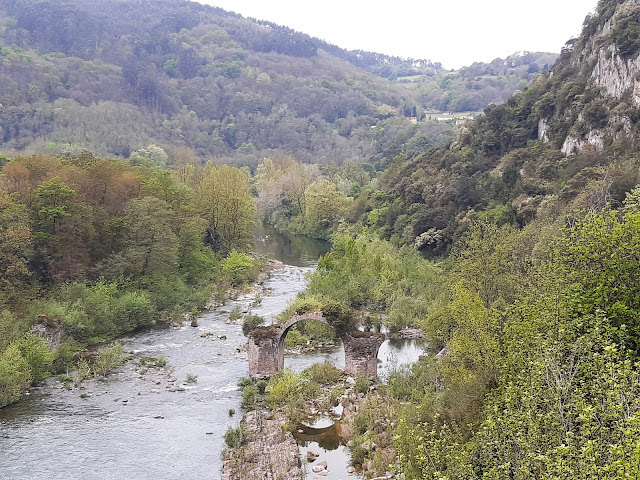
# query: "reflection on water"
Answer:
x=326 y=438
x=290 y=249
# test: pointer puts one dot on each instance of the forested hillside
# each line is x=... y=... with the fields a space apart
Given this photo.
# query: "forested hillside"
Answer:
x=116 y=76
x=568 y=141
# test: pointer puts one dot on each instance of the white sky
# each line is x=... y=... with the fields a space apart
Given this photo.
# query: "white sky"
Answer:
x=453 y=32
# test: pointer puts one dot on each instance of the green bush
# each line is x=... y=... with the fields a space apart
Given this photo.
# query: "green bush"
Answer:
x=108 y=359
x=63 y=357
x=249 y=397
x=323 y=373
x=262 y=386
x=244 y=381
x=15 y=375
x=357 y=449
x=295 y=338
x=235 y=314
x=238 y=268
x=251 y=322
x=133 y=310
x=317 y=332
x=36 y=352
x=290 y=388
x=10 y=328
x=282 y=388
x=167 y=293
x=362 y=385
x=235 y=437
x=97 y=303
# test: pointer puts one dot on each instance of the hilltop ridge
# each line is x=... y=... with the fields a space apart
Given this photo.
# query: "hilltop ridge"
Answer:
x=115 y=76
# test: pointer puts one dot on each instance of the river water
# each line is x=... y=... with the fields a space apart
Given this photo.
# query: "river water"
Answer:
x=155 y=425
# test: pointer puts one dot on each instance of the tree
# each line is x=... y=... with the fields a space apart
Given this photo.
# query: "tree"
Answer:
x=150 y=156
x=485 y=262
x=228 y=207
x=16 y=244
x=52 y=200
x=599 y=257
x=150 y=244
x=324 y=205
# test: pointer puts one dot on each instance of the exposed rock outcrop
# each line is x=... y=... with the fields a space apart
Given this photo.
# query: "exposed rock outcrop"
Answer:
x=269 y=453
x=618 y=78
x=51 y=330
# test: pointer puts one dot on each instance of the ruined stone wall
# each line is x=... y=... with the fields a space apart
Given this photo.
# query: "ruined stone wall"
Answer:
x=266 y=348
x=361 y=354
x=266 y=357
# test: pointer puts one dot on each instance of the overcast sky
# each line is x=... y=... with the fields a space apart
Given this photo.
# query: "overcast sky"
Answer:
x=453 y=32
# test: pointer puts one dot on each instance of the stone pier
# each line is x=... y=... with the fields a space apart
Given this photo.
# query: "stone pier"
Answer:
x=361 y=353
x=266 y=347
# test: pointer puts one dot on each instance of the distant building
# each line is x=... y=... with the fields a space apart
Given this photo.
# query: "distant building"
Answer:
x=445 y=119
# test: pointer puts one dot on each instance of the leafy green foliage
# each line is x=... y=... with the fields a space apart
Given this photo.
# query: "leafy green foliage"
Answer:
x=362 y=385
x=249 y=397
x=15 y=375
x=626 y=33
x=238 y=267
x=367 y=273
x=323 y=373
x=235 y=437
x=108 y=358
x=290 y=389
x=538 y=382
x=251 y=322
x=101 y=248
x=36 y=353
x=608 y=244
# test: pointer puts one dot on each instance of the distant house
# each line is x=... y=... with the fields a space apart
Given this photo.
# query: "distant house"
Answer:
x=445 y=119
x=413 y=120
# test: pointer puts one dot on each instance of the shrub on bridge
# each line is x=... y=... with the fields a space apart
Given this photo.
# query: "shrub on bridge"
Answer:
x=339 y=317
x=251 y=322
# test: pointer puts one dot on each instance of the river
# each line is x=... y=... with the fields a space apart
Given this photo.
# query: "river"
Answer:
x=155 y=425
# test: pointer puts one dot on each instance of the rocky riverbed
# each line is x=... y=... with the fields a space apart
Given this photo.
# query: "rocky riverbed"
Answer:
x=322 y=433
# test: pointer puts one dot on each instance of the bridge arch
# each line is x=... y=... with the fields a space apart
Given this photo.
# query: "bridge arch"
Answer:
x=266 y=348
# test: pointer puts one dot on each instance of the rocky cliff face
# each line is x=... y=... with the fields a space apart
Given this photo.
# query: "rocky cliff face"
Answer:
x=609 y=53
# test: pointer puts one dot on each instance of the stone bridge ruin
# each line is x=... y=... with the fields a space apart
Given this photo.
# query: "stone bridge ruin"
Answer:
x=266 y=348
